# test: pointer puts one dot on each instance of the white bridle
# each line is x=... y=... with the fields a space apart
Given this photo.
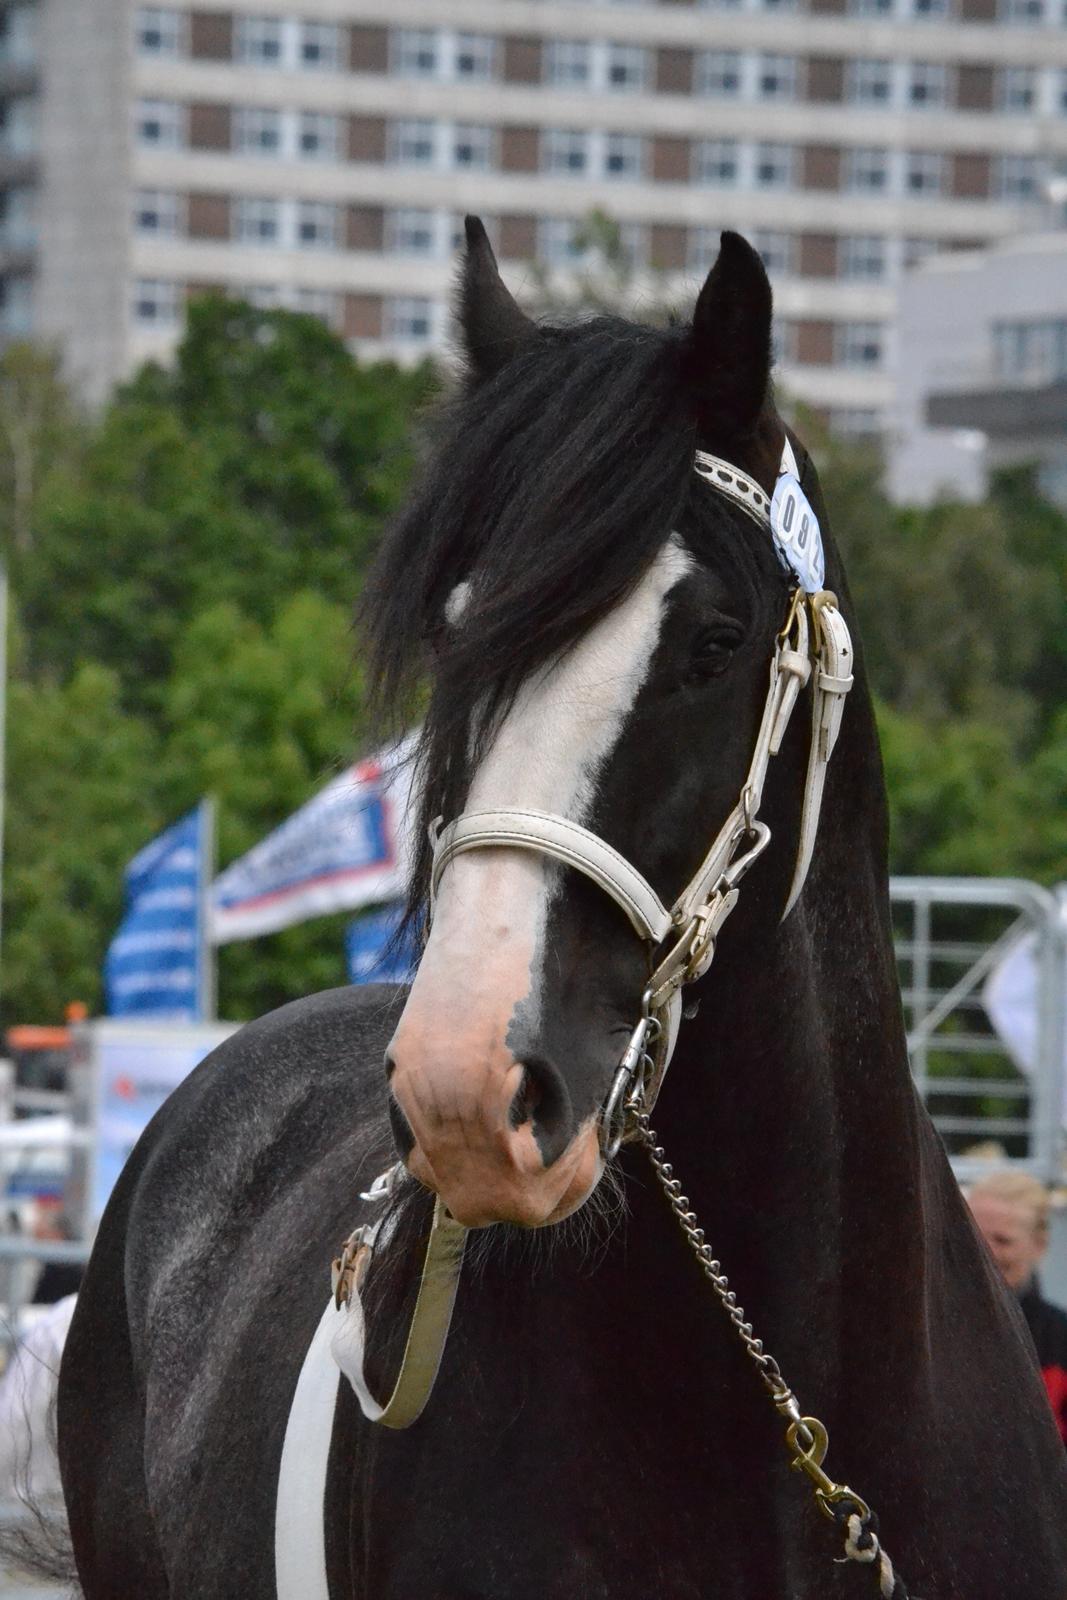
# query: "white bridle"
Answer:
x=813 y=637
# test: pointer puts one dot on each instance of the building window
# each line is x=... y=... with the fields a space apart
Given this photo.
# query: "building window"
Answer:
x=18 y=217
x=566 y=151
x=923 y=172
x=156 y=212
x=1063 y=80
x=156 y=303
x=625 y=67
x=316 y=225
x=718 y=162
x=1018 y=88
x=858 y=344
x=870 y=8
x=863 y=257
x=774 y=166
x=719 y=73
x=320 y=46
x=568 y=63
x=855 y=422
x=1019 y=178
x=318 y=303
x=161 y=124
x=927 y=84
x=257 y=220
x=159 y=31
x=867 y=171
x=318 y=136
x=472 y=147
x=259 y=41
x=560 y=242
x=929 y=8
x=412 y=143
x=775 y=250
x=1029 y=11
x=777 y=77
x=916 y=250
x=870 y=83
x=411 y=233
x=1034 y=352
x=623 y=155
x=257 y=131
x=474 y=57
x=416 y=53
x=409 y=320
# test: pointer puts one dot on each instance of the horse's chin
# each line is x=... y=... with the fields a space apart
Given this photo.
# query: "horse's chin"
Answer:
x=532 y=1201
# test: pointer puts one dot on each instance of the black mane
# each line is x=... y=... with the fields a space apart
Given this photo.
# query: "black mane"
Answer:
x=552 y=486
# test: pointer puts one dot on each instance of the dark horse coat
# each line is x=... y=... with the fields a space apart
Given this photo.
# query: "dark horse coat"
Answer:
x=595 y=1433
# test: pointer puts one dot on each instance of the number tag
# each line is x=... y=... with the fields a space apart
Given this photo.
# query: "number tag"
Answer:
x=797 y=534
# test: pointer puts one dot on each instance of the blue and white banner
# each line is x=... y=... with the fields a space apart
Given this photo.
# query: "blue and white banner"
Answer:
x=346 y=848
x=372 y=951
x=157 y=963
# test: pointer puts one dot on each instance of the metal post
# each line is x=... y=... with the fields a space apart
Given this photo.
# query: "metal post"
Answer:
x=207 y=956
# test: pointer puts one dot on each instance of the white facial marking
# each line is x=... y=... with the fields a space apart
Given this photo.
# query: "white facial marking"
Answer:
x=484 y=950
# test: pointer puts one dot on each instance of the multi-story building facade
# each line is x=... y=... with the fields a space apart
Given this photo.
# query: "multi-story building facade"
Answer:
x=320 y=153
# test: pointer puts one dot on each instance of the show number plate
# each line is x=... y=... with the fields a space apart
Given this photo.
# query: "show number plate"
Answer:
x=796 y=533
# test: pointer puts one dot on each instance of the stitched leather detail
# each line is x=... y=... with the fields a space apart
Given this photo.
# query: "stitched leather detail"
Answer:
x=567 y=842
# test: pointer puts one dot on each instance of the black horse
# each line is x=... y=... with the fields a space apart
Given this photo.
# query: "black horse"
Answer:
x=596 y=625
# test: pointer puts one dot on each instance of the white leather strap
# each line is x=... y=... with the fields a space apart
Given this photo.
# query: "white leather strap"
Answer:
x=736 y=485
x=299 y=1537
x=833 y=680
x=565 y=841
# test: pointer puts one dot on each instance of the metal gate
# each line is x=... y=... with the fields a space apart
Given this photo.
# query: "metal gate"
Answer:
x=950 y=935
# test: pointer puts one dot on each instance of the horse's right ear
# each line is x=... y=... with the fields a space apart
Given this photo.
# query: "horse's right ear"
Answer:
x=728 y=352
x=494 y=328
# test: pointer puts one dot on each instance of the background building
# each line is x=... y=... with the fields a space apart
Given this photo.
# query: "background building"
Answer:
x=982 y=370
x=320 y=155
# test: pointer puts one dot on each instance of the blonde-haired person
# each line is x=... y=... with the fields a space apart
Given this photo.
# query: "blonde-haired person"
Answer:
x=1011 y=1210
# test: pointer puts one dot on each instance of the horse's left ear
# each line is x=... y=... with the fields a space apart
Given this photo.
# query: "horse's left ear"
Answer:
x=494 y=328
x=728 y=351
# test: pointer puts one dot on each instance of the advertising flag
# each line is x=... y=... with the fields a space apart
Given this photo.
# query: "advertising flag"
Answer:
x=346 y=848
x=157 y=964
x=372 y=950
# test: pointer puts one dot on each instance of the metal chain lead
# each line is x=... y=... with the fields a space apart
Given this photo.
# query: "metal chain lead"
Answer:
x=806 y=1437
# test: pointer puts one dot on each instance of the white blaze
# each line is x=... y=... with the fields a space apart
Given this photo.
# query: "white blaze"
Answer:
x=489 y=921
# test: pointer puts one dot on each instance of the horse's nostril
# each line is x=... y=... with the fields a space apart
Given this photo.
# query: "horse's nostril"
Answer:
x=403 y=1137
x=542 y=1100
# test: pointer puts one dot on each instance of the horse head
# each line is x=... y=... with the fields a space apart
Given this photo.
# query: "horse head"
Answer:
x=598 y=624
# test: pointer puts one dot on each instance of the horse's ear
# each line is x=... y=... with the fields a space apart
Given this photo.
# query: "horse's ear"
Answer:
x=728 y=350
x=494 y=329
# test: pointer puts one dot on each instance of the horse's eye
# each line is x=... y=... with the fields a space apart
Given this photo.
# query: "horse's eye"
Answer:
x=713 y=650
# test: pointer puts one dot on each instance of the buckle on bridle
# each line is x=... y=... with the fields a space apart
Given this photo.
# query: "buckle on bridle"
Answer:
x=629 y=1088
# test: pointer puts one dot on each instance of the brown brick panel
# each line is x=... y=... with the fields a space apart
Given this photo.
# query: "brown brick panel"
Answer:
x=202 y=289
x=813 y=343
x=518 y=238
x=671 y=160
x=366 y=139
x=364 y=228
x=821 y=166
x=208 y=216
x=974 y=87
x=368 y=48
x=668 y=247
x=520 y=149
x=817 y=256
x=210 y=127
x=827 y=8
x=971 y=174
x=978 y=10
x=211 y=36
x=362 y=316
x=826 y=79
x=674 y=71
x=522 y=60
